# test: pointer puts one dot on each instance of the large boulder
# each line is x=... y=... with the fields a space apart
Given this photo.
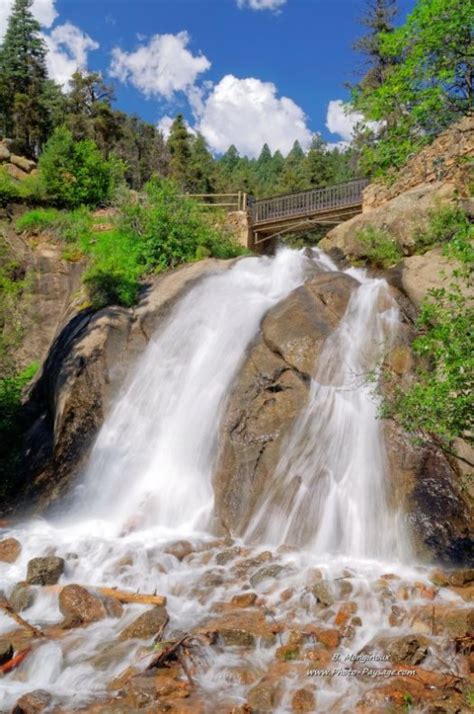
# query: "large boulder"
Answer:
x=271 y=390
x=402 y=217
x=430 y=271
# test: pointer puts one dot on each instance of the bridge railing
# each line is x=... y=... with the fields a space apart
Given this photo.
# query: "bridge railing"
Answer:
x=308 y=203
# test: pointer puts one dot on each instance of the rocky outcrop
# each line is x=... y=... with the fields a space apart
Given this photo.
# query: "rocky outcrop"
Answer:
x=271 y=390
x=430 y=271
x=85 y=368
x=18 y=167
x=446 y=159
x=403 y=218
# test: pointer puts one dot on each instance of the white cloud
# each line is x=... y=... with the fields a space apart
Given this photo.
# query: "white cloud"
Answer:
x=341 y=120
x=248 y=113
x=43 y=10
x=68 y=47
x=261 y=4
x=160 y=68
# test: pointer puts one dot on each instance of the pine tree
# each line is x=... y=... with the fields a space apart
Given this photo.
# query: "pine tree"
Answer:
x=23 y=79
x=318 y=163
x=202 y=177
x=293 y=176
x=179 y=146
x=378 y=20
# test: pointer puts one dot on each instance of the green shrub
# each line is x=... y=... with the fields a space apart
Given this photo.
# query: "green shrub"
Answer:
x=110 y=288
x=70 y=226
x=74 y=172
x=444 y=224
x=38 y=219
x=381 y=249
x=9 y=190
x=172 y=230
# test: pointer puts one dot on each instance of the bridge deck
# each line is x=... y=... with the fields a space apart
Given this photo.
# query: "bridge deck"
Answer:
x=330 y=205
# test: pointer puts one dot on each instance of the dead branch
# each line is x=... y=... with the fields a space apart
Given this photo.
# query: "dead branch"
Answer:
x=7 y=608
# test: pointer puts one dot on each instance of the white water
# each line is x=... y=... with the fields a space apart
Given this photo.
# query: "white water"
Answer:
x=329 y=493
x=149 y=482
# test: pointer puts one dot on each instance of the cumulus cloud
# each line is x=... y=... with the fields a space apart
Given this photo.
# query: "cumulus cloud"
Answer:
x=248 y=113
x=261 y=4
x=43 y=10
x=161 y=67
x=68 y=48
x=341 y=120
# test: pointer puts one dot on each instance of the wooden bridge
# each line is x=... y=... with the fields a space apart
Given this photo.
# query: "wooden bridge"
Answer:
x=297 y=212
x=270 y=218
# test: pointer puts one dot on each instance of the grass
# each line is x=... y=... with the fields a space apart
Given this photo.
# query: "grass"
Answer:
x=380 y=247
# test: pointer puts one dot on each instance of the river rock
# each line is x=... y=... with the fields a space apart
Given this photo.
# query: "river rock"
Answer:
x=269 y=572
x=146 y=625
x=10 y=549
x=303 y=700
x=180 y=549
x=79 y=606
x=33 y=703
x=22 y=597
x=45 y=571
x=271 y=390
x=322 y=593
x=4 y=153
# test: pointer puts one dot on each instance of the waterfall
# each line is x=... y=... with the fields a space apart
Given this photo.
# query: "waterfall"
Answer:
x=329 y=493
x=152 y=462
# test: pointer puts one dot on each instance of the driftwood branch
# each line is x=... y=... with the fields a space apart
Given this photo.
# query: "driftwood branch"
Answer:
x=7 y=608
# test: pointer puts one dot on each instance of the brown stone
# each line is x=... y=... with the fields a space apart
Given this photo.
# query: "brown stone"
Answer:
x=25 y=165
x=32 y=703
x=4 y=153
x=288 y=652
x=244 y=600
x=180 y=549
x=45 y=571
x=10 y=549
x=79 y=606
x=15 y=173
x=303 y=700
x=146 y=625
x=22 y=597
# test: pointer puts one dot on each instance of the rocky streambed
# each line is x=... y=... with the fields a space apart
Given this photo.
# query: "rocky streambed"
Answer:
x=240 y=630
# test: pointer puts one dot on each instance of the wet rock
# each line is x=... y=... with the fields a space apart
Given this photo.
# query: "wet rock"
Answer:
x=344 y=613
x=33 y=703
x=460 y=578
x=439 y=578
x=243 y=674
x=6 y=651
x=229 y=554
x=268 y=395
x=319 y=657
x=266 y=573
x=261 y=698
x=287 y=652
x=45 y=571
x=180 y=549
x=330 y=637
x=322 y=592
x=397 y=616
x=10 y=549
x=79 y=606
x=442 y=619
x=244 y=600
x=146 y=625
x=408 y=650
x=242 y=627
x=22 y=597
x=303 y=700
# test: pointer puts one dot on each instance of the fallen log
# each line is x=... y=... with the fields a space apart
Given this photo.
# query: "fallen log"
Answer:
x=123 y=596
x=7 y=608
x=15 y=661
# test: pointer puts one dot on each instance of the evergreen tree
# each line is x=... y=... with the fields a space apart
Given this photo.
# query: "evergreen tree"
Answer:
x=180 y=148
x=293 y=176
x=318 y=167
x=23 y=80
x=202 y=175
x=378 y=21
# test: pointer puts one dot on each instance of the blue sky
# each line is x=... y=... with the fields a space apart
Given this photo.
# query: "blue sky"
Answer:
x=242 y=71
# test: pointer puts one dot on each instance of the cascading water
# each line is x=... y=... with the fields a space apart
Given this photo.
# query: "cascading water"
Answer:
x=148 y=483
x=329 y=493
x=154 y=456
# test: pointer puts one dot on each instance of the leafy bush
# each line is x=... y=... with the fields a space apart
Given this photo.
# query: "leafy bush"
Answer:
x=438 y=404
x=445 y=223
x=9 y=190
x=74 y=172
x=172 y=230
x=381 y=249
